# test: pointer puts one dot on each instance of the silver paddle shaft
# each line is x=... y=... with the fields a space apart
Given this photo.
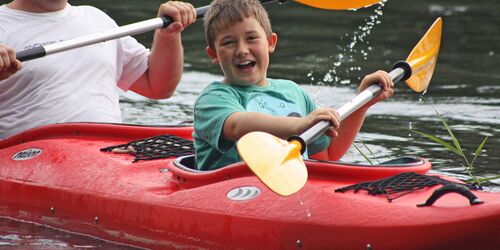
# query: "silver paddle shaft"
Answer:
x=127 y=30
x=354 y=104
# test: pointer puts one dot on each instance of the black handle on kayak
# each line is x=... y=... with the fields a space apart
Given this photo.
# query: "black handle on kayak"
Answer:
x=451 y=188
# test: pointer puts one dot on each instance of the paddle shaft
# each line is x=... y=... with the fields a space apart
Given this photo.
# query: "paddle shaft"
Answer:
x=127 y=30
x=401 y=71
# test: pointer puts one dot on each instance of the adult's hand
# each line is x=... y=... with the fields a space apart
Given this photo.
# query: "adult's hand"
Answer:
x=182 y=14
x=8 y=62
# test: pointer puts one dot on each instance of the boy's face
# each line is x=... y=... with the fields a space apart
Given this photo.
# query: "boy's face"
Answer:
x=242 y=51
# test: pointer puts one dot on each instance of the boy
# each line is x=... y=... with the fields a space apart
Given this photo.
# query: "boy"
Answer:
x=240 y=39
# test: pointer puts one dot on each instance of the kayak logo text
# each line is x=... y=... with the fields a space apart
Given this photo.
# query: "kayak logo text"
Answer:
x=27 y=154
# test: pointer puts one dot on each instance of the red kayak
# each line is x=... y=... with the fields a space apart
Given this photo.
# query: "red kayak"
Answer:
x=63 y=176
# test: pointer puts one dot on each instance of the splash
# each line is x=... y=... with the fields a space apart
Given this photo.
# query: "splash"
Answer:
x=357 y=45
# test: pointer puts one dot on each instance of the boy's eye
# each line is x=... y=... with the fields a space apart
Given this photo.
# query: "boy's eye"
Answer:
x=252 y=37
x=227 y=42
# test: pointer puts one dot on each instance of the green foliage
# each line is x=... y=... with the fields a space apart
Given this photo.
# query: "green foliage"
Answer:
x=457 y=149
x=453 y=147
x=367 y=158
x=363 y=154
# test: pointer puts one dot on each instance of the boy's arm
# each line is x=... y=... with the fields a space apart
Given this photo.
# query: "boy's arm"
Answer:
x=347 y=132
x=351 y=125
x=240 y=123
x=165 y=63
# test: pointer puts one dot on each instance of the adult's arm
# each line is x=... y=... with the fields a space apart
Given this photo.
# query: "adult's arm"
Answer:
x=166 y=60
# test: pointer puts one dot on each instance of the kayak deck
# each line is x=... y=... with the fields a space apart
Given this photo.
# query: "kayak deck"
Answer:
x=163 y=203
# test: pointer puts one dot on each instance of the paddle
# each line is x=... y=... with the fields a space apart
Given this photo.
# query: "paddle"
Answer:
x=337 y=4
x=160 y=22
x=278 y=163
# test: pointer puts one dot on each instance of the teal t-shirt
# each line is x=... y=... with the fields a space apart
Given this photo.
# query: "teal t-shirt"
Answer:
x=219 y=100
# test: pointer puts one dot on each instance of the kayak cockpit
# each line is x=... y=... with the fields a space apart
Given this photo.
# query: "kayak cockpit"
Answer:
x=185 y=171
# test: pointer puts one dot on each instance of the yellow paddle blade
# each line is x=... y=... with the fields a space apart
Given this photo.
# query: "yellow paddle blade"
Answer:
x=423 y=58
x=277 y=163
x=338 y=4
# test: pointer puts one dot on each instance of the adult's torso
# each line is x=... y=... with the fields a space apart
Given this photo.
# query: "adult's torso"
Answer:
x=76 y=85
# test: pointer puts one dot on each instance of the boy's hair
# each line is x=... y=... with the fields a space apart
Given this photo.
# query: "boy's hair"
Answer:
x=224 y=13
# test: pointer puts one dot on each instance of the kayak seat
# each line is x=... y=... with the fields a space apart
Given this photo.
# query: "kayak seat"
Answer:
x=185 y=173
x=187 y=163
x=402 y=161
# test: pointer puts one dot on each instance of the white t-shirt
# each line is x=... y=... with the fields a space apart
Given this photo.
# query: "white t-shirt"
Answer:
x=73 y=86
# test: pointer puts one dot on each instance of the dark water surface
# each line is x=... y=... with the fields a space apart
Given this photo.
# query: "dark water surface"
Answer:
x=328 y=52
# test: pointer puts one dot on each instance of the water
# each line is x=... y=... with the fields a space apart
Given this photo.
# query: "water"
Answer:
x=328 y=53
x=15 y=235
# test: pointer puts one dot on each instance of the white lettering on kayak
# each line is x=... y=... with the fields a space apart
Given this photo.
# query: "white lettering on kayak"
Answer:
x=26 y=154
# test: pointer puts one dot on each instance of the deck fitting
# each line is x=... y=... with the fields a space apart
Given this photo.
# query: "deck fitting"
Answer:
x=299 y=244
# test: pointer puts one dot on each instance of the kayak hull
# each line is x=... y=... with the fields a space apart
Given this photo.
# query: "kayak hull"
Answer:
x=72 y=185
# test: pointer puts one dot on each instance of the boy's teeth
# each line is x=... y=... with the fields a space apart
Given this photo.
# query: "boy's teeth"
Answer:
x=245 y=64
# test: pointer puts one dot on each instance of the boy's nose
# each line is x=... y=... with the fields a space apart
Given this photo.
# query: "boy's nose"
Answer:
x=242 y=50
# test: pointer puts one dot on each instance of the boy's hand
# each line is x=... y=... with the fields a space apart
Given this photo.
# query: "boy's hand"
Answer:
x=8 y=62
x=321 y=114
x=381 y=78
x=182 y=14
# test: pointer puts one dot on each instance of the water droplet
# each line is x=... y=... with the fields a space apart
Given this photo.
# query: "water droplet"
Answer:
x=346 y=81
x=354 y=48
x=328 y=78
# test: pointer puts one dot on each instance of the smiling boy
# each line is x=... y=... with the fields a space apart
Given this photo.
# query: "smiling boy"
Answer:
x=240 y=39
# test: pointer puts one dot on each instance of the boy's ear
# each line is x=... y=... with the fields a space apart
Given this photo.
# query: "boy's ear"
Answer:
x=272 y=40
x=212 y=54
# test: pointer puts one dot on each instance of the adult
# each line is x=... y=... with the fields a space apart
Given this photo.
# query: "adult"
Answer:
x=80 y=85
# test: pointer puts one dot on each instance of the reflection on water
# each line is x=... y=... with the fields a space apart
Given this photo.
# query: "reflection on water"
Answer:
x=20 y=236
